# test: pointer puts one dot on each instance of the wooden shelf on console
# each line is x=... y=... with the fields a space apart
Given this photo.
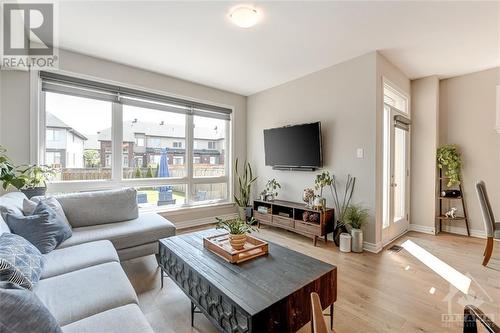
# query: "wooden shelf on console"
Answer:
x=288 y=215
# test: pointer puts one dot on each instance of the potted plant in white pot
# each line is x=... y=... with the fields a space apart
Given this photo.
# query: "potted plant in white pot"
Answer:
x=238 y=229
x=245 y=181
x=271 y=190
x=356 y=216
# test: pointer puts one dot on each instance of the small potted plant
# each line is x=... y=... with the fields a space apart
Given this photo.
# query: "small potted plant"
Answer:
x=245 y=181
x=35 y=179
x=238 y=229
x=322 y=180
x=272 y=187
x=356 y=216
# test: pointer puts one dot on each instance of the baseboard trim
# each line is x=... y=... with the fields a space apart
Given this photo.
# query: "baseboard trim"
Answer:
x=372 y=247
x=463 y=231
x=423 y=229
x=203 y=221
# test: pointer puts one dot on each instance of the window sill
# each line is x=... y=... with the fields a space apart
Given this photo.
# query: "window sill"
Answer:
x=184 y=209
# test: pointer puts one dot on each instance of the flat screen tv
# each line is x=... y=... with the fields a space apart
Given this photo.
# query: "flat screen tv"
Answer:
x=296 y=147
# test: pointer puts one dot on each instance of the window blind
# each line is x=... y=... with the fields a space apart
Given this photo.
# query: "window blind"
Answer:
x=402 y=123
x=63 y=84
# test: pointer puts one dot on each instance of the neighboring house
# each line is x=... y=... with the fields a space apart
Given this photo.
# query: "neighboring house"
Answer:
x=143 y=142
x=64 y=145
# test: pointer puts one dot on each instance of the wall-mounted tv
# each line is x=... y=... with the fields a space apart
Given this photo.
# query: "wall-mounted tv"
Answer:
x=296 y=147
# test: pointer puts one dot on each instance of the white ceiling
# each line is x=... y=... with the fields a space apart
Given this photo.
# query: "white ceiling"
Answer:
x=196 y=41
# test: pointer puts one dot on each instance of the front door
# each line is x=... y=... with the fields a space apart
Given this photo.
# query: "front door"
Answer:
x=396 y=179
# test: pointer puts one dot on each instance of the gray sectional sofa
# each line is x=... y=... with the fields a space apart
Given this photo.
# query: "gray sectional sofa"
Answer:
x=83 y=284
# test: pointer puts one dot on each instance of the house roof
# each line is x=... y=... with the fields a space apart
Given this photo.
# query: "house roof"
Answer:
x=54 y=122
x=130 y=128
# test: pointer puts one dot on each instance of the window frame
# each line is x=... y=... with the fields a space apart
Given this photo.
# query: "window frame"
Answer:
x=37 y=147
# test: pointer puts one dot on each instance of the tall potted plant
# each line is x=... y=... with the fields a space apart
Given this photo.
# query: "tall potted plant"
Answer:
x=340 y=203
x=450 y=160
x=245 y=181
x=238 y=229
x=356 y=216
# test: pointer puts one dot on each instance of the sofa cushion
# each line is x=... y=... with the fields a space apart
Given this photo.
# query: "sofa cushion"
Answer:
x=29 y=206
x=61 y=261
x=20 y=262
x=147 y=228
x=73 y=296
x=44 y=229
x=100 y=207
x=124 y=319
x=3 y=226
x=12 y=203
x=21 y=311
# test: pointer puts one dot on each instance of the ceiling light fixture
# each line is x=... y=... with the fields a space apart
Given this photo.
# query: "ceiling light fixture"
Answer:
x=244 y=16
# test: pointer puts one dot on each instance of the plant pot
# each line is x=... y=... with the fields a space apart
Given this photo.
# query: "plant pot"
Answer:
x=34 y=191
x=357 y=240
x=237 y=241
x=339 y=228
x=245 y=213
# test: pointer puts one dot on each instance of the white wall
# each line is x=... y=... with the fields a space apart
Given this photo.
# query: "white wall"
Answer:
x=424 y=133
x=342 y=97
x=15 y=98
x=467 y=118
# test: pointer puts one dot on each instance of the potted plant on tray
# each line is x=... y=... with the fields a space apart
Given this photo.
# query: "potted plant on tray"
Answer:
x=245 y=181
x=356 y=216
x=238 y=229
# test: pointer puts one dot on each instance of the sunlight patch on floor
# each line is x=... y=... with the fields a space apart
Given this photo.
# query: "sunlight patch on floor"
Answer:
x=450 y=274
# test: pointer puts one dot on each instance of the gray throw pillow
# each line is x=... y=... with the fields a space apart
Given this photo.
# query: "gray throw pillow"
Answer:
x=11 y=203
x=44 y=228
x=29 y=206
x=22 y=311
x=21 y=263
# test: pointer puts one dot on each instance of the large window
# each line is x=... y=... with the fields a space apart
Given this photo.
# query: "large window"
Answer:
x=98 y=136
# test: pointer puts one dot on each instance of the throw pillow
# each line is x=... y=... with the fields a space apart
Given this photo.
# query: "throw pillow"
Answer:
x=22 y=311
x=44 y=228
x=21 y=263
x=30 y=205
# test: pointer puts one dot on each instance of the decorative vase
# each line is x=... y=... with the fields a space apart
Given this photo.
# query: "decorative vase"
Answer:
x=34 y=191
x=269 y=197
x=237 y=241
x=245 y=213
x=339 y=228
x=357 y=240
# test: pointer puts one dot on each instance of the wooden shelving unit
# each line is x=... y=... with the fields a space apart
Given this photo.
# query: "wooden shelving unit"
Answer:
x=446 y=201
x=289 y=215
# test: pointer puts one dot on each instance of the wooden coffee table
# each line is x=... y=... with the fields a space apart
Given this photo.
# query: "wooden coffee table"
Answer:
x=267 y=294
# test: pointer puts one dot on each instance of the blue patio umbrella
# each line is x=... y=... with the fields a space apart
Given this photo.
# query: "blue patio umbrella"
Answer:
x=165 y=192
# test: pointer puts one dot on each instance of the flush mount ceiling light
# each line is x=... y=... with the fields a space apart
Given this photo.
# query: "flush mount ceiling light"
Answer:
x=244 y=16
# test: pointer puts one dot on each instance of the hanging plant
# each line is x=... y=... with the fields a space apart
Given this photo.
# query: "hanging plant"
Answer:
x=450 y=160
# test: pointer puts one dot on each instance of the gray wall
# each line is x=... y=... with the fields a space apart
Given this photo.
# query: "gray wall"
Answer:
x=467 y=118
x=345 y=98
x=424 y=131
x=339 y=97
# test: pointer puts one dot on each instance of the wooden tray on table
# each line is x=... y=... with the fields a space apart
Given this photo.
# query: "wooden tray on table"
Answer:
x=219 y=245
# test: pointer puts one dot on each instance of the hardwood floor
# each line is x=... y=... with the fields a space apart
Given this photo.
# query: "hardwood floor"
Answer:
x=384 y=292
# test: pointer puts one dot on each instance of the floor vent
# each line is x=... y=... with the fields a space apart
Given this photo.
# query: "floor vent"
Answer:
x=395 y=248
